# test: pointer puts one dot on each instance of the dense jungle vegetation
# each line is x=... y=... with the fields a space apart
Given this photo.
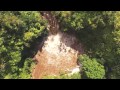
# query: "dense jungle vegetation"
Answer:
x=98 y=31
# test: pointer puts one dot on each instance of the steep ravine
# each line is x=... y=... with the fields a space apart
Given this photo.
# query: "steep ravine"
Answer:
x=58 y=53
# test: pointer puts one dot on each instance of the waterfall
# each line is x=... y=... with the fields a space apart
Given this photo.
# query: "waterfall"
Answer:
x=59 y=51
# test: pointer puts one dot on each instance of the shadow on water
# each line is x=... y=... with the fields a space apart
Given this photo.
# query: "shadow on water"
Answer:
x=29 y=52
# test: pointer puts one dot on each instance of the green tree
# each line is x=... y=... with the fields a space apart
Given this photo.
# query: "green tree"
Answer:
x=91 y=68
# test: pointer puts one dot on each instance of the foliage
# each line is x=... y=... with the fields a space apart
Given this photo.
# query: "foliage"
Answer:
x=91 y=68
x=63 y=76
x=115 y=67
x=25 y=72
x=17 y=30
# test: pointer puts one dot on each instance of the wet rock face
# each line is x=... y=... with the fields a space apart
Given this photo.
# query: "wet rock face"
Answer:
x=53 y=25
x=58 y=54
